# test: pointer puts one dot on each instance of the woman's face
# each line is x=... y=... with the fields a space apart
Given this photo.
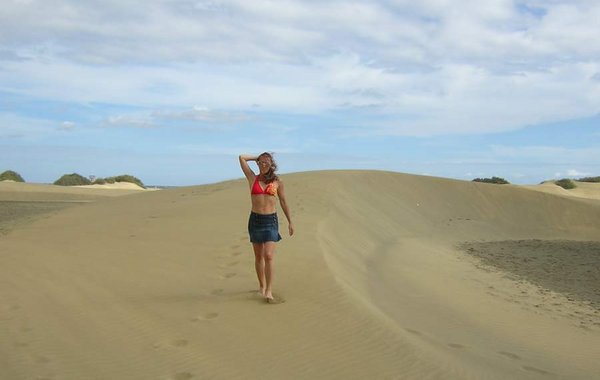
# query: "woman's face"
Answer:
x=264 y=164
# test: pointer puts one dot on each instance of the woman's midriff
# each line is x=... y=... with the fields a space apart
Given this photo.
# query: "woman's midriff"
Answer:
x=263 y=204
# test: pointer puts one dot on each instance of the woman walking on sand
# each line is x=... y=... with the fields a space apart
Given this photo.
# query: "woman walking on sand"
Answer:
x=263 y=225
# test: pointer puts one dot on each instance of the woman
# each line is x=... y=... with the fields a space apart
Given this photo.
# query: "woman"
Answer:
x=263 y=225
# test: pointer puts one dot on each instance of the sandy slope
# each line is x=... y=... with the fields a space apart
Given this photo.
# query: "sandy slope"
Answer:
x=160 y=285
x=21 y=203
x=113 y=186
x=15 y=191
x=587 y=190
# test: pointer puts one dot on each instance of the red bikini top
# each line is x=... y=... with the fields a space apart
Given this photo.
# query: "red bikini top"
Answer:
x=271 y=188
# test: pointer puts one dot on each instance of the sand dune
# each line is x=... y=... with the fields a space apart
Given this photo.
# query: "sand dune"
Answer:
x=378 y=282
x=21 y=203
x=35 y=192
x=112 y=186
x=587 y=190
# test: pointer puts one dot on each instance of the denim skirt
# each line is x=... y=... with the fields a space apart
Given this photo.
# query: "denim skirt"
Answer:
x=263 y=227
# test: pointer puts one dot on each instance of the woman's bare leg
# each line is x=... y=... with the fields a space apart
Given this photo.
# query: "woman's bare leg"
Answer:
x=268 y=253
x=259 y=265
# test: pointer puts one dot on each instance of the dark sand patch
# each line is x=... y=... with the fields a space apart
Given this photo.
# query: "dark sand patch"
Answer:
x=564 y=266
x=15 y=213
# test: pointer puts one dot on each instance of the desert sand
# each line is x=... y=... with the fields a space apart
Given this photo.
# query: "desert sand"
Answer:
x=389 y=276
x=585 y=190
x=113 y=186
x=23 y=202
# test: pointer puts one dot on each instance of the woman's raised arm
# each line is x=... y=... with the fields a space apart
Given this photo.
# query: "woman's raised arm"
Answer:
x=244 y=158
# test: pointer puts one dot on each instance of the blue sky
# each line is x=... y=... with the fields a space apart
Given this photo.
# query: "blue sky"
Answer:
x=171 y=91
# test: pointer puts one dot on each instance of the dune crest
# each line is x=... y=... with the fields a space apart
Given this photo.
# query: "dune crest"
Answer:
x=395 y=247
x=116 y=185
x=585 y=190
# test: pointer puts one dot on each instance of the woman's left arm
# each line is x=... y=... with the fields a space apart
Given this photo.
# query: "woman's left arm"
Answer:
x=284 y=206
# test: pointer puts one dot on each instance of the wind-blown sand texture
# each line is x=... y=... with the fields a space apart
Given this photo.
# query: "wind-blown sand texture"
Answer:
x=387 y=277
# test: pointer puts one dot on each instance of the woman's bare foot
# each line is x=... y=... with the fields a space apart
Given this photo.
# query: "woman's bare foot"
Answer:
x=274 y=300
x=261 y=292
x=268 y=295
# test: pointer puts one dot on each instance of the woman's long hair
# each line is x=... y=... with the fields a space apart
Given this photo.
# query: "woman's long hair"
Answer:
x=270 y=176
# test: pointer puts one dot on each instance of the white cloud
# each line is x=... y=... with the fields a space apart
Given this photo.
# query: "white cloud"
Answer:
x=198 y=115
x=67 y=126
x=231 y=150
x=431 y=67
x=548 y=154
x=203 y=114
x=136 y=121
x=577 y=173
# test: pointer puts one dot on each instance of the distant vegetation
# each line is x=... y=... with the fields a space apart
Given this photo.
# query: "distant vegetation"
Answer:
x=120 y=178
x=79 y=180
x=9 y=175
x=565 y=183
x=589 y=179
x=496 y=180
x=72 y=180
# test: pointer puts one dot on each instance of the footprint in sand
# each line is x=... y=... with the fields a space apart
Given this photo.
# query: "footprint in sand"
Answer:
x=414 y=332
x=179 y=343
x=536 y=370
x=216 y=292
x=229 y=275
x=229 y=265
x=276 y=300
x=182 y=376
x=205 y=317
x=236 y=253
x=456 y=345
x=510 y=355
x=42 y=359
x=235 y=246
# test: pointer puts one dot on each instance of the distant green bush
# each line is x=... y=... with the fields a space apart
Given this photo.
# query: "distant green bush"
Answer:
x=9 y=175
x=565 y=183
x=496 y=180
x=125 y=178
x=589 y=179
x=79 y=180
x=72 y=180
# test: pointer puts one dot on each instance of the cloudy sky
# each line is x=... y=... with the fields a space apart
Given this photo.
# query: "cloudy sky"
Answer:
x=171 y=91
